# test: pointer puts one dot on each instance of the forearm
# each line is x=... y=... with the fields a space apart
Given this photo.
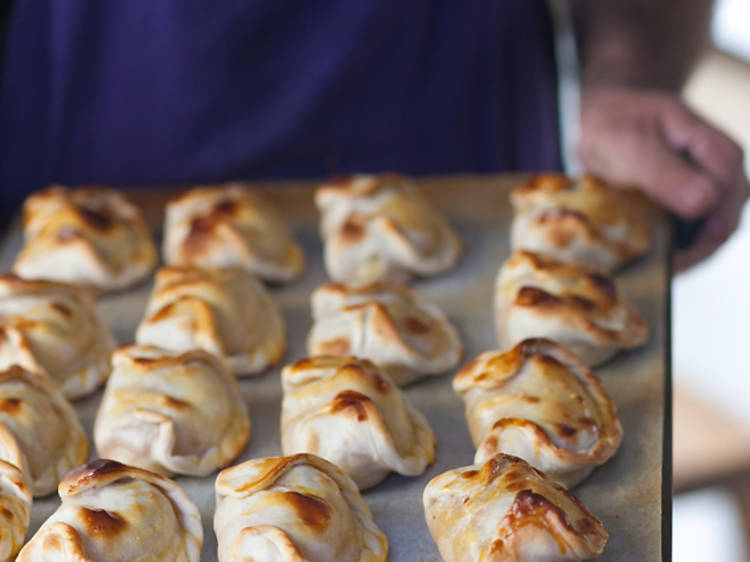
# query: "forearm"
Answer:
x=640 y=43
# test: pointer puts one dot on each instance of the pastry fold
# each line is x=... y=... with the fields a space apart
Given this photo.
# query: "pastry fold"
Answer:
x=229 y=225
x=577 y=306
x=506 y=510
x=116 y=513
x=15 y=496
x=539 y=402
x=389 y=324
x=87 y=236
x=348 y=412
x=293 y=509
x=171 y=412
x=55 y=329
x=579 y=221
x=380 y=228
x=224 y=311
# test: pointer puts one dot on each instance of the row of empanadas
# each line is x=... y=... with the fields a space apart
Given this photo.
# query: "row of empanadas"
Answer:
x=95 y=236
x=347 y=411
x=171 y=412
x=390 y=325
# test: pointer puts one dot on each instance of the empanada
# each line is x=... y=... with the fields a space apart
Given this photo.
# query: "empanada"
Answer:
x=380 y=228
x=539 y=402
x=15 y=496
x=293 y=509
x=44 y=425
x=86 y=236
x=346 y=411
x=116 y=513
x=507 y=510
x=230 y=225
x=583 y=221
x=54 y=328
x=388 y=324
x=171 y=412
x=224 y=311
x=576 y=306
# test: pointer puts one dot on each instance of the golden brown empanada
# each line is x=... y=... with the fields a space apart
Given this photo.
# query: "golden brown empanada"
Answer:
x=583 y=221
x=54 y=328
x=224 y=311
x=44 y=425
x=293 y=509
x=576 y=306
x=116 y=513
x=348 y=412
x=380 y=228
x=171 y=412
x=388 y=324
x=87 y=236
x=230 y=225
x=539 y=402
x=506 y=510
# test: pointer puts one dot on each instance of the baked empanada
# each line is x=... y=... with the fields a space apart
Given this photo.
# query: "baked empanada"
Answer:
x=507 y=510
x=388 y=324
x=54 y=328
x=293 y=509
x=346 y=411
x=230 y=225
x=86 y=236
x=15 y=496
x=116 y=513
x=44 y=425
x=224 y=311
x=380 y=228
x=576 y=306
x=581 y=221
x=171 y=412
x=539 y=402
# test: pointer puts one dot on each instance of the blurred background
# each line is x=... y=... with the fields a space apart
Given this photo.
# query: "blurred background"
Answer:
x=711 y=307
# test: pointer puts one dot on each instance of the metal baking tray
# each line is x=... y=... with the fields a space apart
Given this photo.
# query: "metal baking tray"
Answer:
x=631 y=493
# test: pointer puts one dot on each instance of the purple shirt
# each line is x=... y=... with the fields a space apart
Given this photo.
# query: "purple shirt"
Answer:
x=166 y=91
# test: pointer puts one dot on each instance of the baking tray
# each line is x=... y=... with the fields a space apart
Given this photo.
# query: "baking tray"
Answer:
x=631 y=493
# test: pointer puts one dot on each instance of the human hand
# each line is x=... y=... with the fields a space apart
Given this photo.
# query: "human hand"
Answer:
x=653 y=140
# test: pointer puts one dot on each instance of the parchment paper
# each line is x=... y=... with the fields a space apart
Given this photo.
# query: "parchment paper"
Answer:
x=625 y=493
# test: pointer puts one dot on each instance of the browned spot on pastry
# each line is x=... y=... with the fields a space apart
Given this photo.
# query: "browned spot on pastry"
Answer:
x=531 y=296
x=381 y=385
x=469 y=474
x=175 y=403
x=491 y=443
x=10 y=405
x=226 y=207
x=352 y=231
x=97 y=468
x=530 y=399
x=416 y=326
x=350 y=400
x=585 y=420
x=312 y=510
x=582 y=302
x=336 y=346
x=548 y=360
x=62 y=309
x=6 y=513
x=604 y=284
x=550 y=182
x=123 y=480
x=566 y=430
x=99 y=220
x=101 y=522
x=530 y=507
